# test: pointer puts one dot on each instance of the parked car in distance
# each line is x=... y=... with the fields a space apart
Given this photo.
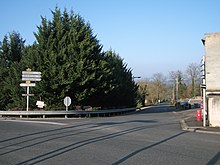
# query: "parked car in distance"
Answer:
x=185 y=105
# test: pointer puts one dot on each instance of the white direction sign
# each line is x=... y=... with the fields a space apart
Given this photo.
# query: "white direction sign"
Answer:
x=30 y=79
x=27 y=94
x=27 y=72
x=31 y=76
x=67 y=102
x=27 y=85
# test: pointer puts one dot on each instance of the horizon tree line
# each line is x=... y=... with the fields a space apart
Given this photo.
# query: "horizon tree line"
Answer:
x=176 y=86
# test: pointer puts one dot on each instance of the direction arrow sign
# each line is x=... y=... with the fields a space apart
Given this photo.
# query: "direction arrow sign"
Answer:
x=31 y=75
x=27 y=94
x=27 y=85
x=26 y=72
x=30 y=79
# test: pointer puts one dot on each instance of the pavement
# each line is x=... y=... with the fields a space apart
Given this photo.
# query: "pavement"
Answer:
x=188 y=121
x=191 y=124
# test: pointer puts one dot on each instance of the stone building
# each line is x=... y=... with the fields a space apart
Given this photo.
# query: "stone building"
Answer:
x=211 y=43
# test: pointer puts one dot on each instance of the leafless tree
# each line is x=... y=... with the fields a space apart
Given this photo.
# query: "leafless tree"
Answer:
x=143 y=91
x=193 y=72
x=179 y=87
x=159 y=82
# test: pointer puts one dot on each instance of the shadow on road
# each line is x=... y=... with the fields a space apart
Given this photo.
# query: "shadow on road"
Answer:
x=162 y=108
x=147 y=147
x=62 y=133
x=76 y=145
x=215 y=159
x=129 y=121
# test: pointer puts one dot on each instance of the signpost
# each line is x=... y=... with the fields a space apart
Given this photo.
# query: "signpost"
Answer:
x=29 y=76
x=67 y=102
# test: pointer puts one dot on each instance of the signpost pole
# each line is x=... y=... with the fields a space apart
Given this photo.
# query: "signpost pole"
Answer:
x=27 y=97
x=204 y=107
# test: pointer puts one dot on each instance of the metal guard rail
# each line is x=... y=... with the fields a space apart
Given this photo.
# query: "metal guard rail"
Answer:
x=66 y=114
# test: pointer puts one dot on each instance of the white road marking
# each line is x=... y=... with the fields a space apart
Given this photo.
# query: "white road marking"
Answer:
x=37 y=122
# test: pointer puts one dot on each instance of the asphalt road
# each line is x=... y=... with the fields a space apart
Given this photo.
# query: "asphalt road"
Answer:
x=152 y=136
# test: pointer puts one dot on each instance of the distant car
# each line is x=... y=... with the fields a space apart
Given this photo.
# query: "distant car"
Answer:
x=184 y=105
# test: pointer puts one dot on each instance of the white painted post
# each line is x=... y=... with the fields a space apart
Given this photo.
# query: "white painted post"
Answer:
x=27 y=97
x=204 y=105
x=204 y=89
x=177 y=88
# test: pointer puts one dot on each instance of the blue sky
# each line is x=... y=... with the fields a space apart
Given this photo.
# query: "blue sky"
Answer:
x=151 y=36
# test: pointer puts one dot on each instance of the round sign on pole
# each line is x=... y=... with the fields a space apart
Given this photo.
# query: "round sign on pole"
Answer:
x=67 y=101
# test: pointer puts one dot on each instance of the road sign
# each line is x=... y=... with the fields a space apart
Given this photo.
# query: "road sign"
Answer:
x=27 y=85
x=27 y=94
x=33 y=73
x=40 y=104
x=30 y=79
x=31 y=76
x=67 y=102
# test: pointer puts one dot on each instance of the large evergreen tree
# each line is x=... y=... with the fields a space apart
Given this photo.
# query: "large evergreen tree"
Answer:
x=11 y=53
x=115 y=86
x=67 y=54
x=72 y=63
x=122 y=89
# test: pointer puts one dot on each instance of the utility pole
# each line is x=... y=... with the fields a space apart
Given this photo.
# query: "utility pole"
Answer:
x=177 y=84
x=194 y=84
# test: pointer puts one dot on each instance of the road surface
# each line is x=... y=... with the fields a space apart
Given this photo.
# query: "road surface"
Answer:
x=152 y=136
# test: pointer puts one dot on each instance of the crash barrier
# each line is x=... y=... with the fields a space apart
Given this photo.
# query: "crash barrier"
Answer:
x=66 y=114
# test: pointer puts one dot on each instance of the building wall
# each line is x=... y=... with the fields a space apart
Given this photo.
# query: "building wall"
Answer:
x=214 y=110
x=212 y=76
x=212 y=58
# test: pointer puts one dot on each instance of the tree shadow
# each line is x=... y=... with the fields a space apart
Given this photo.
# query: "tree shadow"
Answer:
x=43 y=132
x=82 y=143
x=129 y=121
x=145 y=148
x=64 y=134
x=215 y=159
